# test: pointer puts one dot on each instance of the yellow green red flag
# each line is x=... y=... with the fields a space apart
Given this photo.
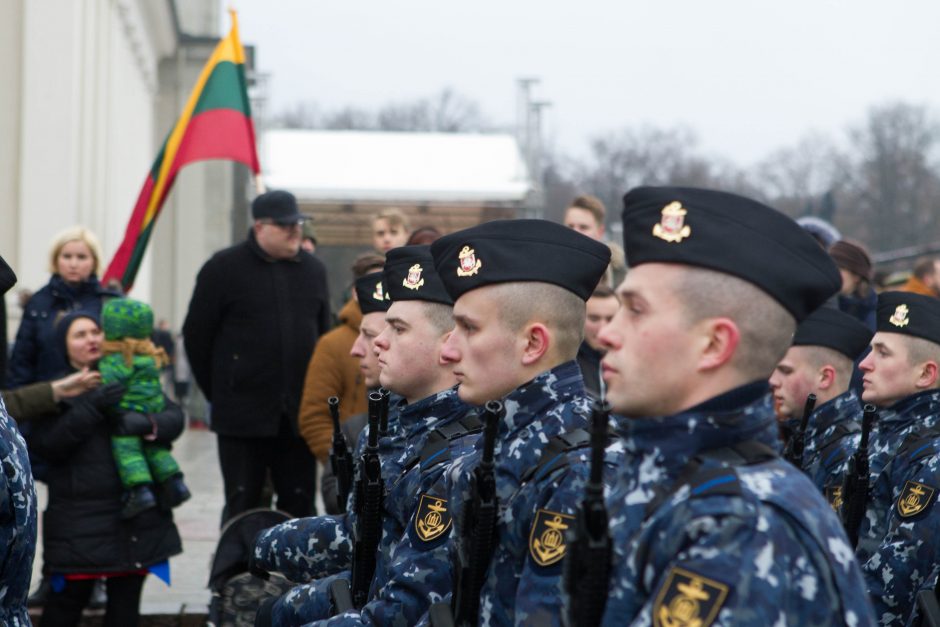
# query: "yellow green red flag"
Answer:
x=215 y=124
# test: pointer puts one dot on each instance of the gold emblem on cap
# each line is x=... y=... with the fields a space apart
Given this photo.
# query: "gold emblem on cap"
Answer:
x=413 y=281
x=469 y=264
x=432 y=518
x=688 y=599
x=899 y=317
x=547 y=538
x=672 y=226
x=379 y=293
x=914 y=498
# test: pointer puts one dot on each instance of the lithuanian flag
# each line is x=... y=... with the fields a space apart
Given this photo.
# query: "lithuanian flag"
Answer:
x=216 y=124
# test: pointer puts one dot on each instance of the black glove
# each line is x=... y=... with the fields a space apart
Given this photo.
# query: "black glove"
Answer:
x=133 y=423
x=105 y=396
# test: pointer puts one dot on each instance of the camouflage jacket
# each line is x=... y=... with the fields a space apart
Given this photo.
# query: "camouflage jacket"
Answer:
x=303 y=549
x=702 y=541
x=899 y=541
x=306 y=604
x=18 y=528
x=832 y=436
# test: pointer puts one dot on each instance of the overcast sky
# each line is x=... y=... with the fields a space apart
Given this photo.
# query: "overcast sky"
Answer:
x=747 y=76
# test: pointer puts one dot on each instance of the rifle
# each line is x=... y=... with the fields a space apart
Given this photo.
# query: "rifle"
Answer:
x=370 y=494
x=587 y=565
x=383 y=412
x=793 y=452
x=855 y=486
x=340 y=457
x=479 y=525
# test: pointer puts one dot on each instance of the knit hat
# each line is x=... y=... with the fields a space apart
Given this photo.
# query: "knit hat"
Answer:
x=853 y=257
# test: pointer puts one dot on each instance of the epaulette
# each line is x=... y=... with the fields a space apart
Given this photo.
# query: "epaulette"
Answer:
x=435 y=449
x=829 y=449
x=720 y=479
x=554 y=456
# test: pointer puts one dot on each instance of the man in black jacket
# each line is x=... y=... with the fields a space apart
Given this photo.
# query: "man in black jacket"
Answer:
x=256 y=313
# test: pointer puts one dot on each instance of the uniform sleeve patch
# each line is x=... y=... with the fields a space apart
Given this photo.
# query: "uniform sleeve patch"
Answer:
x=547 y=539
x=914 y=499
x=687 y=598
x=834 y=497
x=432 y=519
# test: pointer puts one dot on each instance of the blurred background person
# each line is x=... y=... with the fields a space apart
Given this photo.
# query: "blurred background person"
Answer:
x=74 y=261
x=390 y=229
x=601 y=308
x=857 y=296
x=84 y=535
x=925 y=278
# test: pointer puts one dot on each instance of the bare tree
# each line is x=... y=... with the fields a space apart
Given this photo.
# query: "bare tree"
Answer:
x=894 y=184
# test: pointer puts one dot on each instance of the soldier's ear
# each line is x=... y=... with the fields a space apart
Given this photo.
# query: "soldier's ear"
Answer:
x=827 y=377
x=929 y=375
x=537 y=340
x=719 y=342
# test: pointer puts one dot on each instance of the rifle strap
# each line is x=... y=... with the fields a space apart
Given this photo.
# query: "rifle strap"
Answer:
x=715 y=480
x=918 y=445
x=435 y=449
x=831 y=453
x=555 y=455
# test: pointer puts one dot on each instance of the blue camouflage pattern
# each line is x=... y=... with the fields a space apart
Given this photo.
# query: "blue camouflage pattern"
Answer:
x=757 y=541
x=899 y=540
x=832 y=437
x=304 y=549
x=19 y=523
x=416 y=421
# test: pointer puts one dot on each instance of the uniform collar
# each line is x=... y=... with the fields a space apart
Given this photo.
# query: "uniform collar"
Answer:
x=423 y=415
x=909 y=409
x=744 y=413
x=842 y=408
x=549 y=389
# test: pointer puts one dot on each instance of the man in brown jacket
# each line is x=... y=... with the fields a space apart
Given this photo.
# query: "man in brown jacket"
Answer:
x=925 y=279
x=332 y=372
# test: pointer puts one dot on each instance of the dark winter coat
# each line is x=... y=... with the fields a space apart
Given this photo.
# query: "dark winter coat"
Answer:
x=249 y=333
x=36 y=354
x=82 y=527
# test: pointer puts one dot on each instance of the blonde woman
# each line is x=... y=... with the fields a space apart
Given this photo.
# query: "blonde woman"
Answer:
x=74 y=261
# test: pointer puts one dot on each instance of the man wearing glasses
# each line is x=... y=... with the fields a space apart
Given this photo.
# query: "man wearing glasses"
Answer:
x=256 y=313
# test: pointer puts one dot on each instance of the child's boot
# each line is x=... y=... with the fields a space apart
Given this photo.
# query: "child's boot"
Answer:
x=173 y=492
x=138 y=500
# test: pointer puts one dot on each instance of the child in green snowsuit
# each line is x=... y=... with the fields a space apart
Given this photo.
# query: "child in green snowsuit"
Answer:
x=130 y=358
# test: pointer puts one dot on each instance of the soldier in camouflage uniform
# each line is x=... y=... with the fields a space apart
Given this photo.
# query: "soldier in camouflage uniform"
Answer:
x=821 y=361
x=899 y=542
x=311 y=548
x=710 y=527
x=18 y=528
x=419 y=317
x=19 y=518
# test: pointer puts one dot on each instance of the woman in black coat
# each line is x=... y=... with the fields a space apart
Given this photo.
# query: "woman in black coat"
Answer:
x=84 y=537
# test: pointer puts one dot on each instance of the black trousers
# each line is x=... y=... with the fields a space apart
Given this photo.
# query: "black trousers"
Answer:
x=245 y=463
x=64 y=609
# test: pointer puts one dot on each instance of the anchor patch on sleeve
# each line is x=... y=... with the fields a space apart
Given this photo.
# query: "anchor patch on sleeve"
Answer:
x=432 y=519
x=547 y=538
x=688 y=598
x=834 y=496
x=914 y=498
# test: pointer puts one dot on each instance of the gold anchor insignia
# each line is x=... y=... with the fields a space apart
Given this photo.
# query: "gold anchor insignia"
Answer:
x=688 y=600
x=432 y=518
x=469 y=264
x=413 y=281
x=547 y=538
x=914 y=498
x=834 y=496
x=672 y=227
x=899 y=317
x=379 y=293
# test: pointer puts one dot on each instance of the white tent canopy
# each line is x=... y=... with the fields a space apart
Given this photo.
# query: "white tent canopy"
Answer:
x=385 y=166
